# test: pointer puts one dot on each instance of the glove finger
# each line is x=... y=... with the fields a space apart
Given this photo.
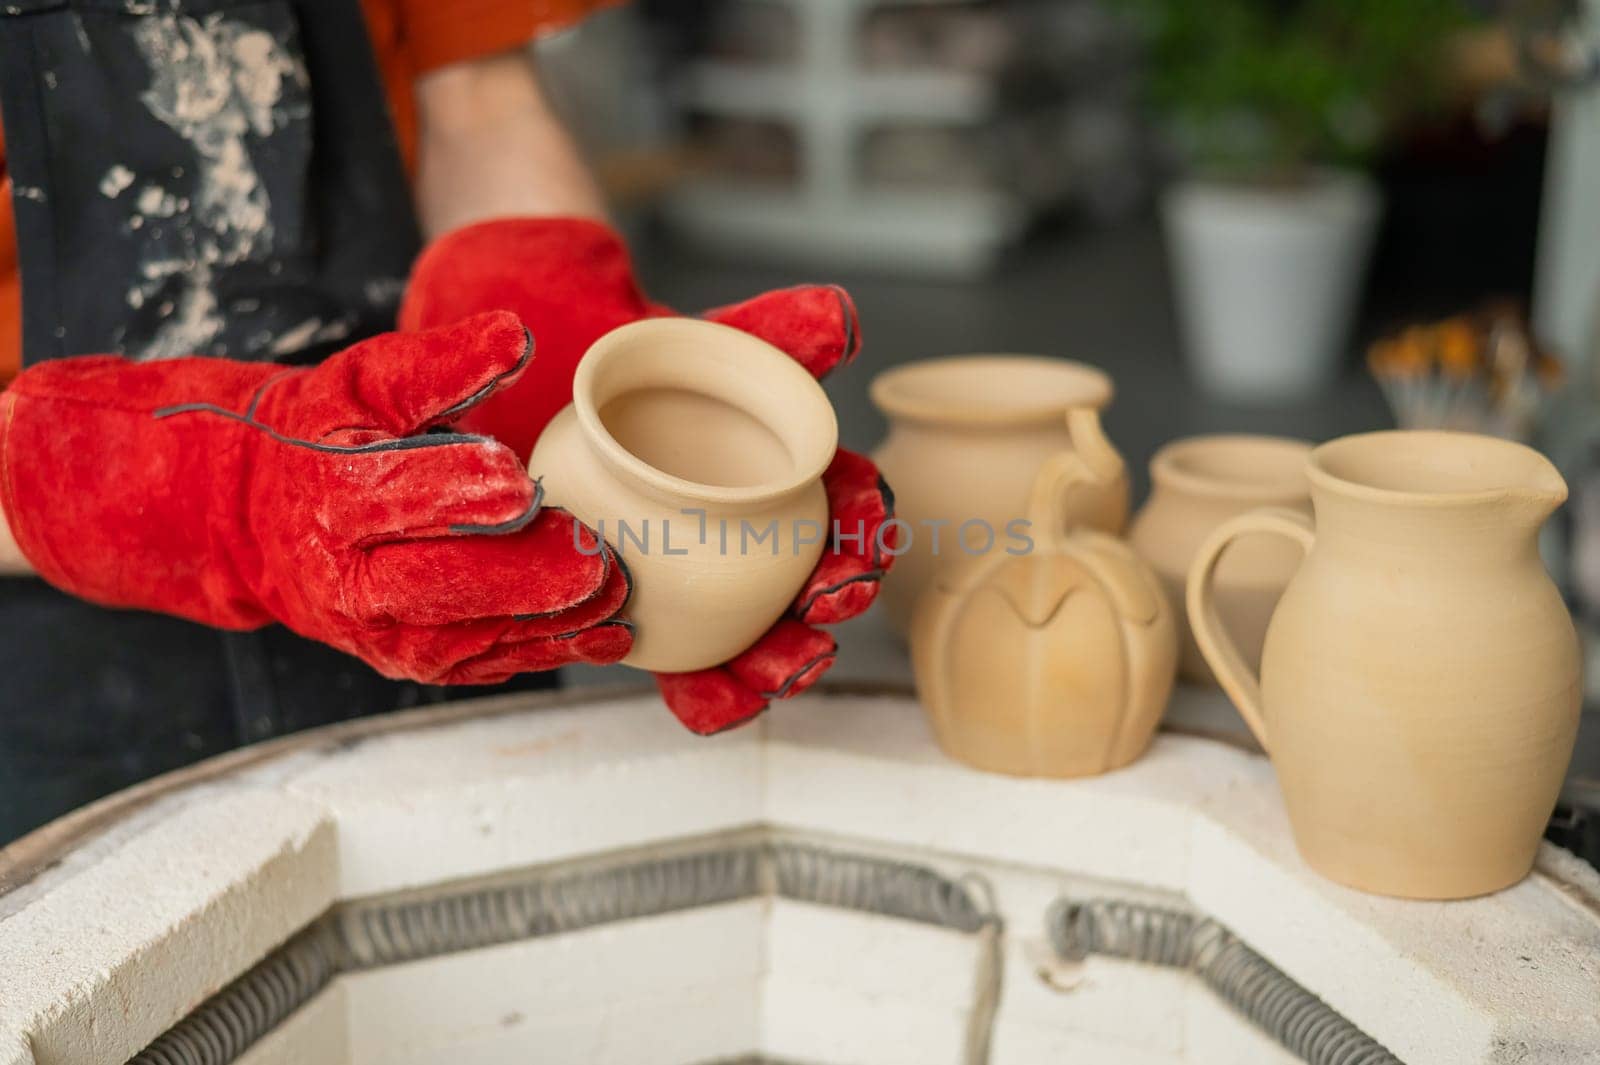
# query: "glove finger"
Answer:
x=847 y=577
x=602 y=607
x=425 y=486
x=786 y=661
x=422 y=653
x=709 y=701
x=441 y=654
x=601 y=645
x=816 y=324
x=555 y=572
x=408 y=382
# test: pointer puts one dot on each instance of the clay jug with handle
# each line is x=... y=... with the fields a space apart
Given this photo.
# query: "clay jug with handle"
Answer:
x=967 y=438
x=1420 y=684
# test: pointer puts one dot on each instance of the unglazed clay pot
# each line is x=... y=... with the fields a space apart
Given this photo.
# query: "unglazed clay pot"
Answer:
x=684 y=442
x=1055 y=663
x=968 y=436
x=1419 y=690
x=1196 y=485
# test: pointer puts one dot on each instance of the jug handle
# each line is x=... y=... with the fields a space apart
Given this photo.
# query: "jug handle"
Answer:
x=1089 y=440
x=1061 y=477
x=1219 y=649
x=1093 y=462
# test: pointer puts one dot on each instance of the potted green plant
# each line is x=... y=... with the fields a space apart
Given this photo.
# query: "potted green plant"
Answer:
x=1276 y=109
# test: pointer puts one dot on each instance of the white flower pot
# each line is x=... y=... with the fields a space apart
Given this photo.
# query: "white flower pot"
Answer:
x=1267 y=280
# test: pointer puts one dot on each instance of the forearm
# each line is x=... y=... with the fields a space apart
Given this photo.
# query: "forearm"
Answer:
x=491 y=148
x=12 y=564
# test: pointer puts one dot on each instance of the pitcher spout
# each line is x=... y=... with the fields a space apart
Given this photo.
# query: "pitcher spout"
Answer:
x=1438 y=479
x=1545 y=490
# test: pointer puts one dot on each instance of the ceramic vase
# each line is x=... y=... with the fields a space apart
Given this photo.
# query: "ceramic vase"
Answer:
x=1054 y=663
x=697 y=451
x=1419 y=689
x=967 y=438
x=1267 y=278
x=1196 y=485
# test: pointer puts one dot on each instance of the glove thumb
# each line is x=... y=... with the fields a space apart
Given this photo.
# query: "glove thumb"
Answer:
x=411 y=382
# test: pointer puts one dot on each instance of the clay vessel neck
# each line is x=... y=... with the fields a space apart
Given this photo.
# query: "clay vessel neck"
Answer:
x=989 y=394
x=1232 y=470
x=689 y=414
x=1440 y=499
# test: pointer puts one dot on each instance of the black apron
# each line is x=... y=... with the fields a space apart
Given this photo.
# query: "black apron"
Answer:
x=212 y=177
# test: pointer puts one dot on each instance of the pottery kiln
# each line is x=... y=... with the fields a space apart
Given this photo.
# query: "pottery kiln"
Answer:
x=576 y=879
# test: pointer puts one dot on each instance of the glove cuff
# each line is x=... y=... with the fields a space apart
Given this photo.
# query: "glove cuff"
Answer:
x=110 y=503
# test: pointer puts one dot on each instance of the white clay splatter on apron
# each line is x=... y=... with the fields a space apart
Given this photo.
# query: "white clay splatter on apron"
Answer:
x=156 y=202
x=214 y=81
x=116 y=181
x=81 y=34
x=311 y=331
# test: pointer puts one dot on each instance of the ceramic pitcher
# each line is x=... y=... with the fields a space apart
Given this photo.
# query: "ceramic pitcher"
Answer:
x=1053 y=663
x=968 y=436
x=1196 y=485
x=1419 y=689
x=697 y=451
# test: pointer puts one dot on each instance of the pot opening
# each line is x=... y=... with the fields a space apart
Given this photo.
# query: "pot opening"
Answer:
x=1445 y=466
x=1264 y=467
x=697 y=438
x=990 y=389
x=700 y=411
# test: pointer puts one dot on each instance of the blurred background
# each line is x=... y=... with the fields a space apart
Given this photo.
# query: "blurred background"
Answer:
x=1299 y=217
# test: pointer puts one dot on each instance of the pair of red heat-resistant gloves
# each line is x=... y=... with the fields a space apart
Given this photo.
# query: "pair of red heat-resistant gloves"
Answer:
x=379 y=503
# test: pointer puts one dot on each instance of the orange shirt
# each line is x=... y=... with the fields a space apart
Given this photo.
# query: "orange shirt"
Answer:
x=409 y=37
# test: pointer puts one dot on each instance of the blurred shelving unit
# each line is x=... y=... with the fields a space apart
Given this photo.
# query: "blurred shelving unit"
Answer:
x=828 y=212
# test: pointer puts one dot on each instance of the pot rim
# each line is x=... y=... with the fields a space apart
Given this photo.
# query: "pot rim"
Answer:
x=1322 y=182
x=1168 y=471
x=890 y=393
x=1348 y=202
x=1550 y=488
x=810 y=434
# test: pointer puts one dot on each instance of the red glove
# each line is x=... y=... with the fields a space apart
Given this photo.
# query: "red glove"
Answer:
x=237 y=494
x=570 y=281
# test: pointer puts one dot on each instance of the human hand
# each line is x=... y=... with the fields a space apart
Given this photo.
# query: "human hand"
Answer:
x=339 y=500
x=571 y=282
